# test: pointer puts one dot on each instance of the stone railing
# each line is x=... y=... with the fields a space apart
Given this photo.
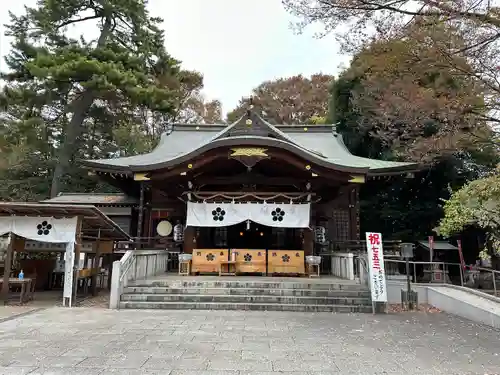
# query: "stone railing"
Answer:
x=343 y=265
x=135 y=265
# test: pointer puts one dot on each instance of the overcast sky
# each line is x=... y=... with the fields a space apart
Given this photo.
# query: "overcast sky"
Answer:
x=235 y=44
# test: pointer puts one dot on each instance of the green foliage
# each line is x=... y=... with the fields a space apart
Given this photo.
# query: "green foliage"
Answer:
x=476 y=203
x=362 y=105
x=70 y=98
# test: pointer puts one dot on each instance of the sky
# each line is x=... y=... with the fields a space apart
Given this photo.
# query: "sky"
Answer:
x=236 y=45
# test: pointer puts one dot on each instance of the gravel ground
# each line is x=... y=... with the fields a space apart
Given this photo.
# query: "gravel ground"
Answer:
x=89 y=341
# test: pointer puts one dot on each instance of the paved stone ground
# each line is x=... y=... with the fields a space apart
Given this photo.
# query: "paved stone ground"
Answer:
x=93 y=341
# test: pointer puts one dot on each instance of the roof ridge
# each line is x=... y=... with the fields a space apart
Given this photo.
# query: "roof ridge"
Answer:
x=104 y=194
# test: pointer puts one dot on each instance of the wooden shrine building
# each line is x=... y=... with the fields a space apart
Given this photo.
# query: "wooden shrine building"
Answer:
x=249 y=185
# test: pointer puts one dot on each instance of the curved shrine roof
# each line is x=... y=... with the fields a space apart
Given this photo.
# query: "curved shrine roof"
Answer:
x=318 y=143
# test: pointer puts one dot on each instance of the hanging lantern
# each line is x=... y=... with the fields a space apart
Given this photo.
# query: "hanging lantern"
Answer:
x=178 y=232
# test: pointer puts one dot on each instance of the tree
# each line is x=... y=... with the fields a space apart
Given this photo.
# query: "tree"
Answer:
x=387 y=106
x=293 y=100
x=476 y=23
x=476 y=204
x=400 y=93
x=121 y=66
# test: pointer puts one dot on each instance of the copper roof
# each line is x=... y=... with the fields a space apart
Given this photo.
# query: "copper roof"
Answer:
x=320 y=144
x=94 y=222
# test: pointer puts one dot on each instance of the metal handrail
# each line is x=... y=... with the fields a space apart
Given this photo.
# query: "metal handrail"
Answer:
x=446 y=266
x=127 y=261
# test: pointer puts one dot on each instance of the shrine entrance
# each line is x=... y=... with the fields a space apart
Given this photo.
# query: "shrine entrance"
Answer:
x=249 y=235
x=272 y=195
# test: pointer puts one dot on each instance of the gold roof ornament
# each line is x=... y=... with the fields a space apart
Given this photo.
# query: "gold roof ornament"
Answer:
x=357 y=179
x=141 y=177
x=249 y=151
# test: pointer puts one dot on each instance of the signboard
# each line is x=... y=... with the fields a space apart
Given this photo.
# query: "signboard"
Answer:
x=460 y=253
x=68 y=273
x=376 y=267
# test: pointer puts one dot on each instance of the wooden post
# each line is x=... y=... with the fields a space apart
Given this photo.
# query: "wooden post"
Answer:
x=353 y=215
x=76 y=263
x=110 y=269
x=140 y=216
x=7 y=268
x=308 y=241
x=95 y=263
x=189 y=238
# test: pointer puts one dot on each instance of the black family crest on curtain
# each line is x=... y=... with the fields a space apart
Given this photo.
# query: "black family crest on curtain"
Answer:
x=218 y=214
x=278 y=214
x=44 y=228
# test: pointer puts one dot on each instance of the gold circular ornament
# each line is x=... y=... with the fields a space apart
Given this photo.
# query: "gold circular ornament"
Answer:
x=164 y=228
x=308 y=167
x=190 y=166
x=248 y=122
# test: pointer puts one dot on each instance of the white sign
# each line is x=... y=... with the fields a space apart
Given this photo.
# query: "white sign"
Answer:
x=376 y=266
x=68 y=273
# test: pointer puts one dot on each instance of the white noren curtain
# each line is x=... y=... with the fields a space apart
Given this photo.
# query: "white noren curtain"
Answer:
x=283 y=215
x=46 y=229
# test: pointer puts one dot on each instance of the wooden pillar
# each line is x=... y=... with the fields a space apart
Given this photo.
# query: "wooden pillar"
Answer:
x=189 y=240
x=95 y=264
x=147 y=226
x=140 y=215
x=357 y=212
x=111 y=259
x=308 y=241
x=7 y=268
x=76 y=261
x=353 y=199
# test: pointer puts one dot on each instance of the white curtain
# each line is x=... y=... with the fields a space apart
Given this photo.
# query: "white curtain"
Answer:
x=286 y=215
x=43 y=229
x=46 y=229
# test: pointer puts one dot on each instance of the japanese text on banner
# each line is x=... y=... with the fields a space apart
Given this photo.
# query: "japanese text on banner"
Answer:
x=376 y=267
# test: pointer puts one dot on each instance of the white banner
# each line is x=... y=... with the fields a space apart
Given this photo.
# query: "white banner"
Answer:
x=376 y=267
x=43 y=229
x=46 y=229
x=286 y=215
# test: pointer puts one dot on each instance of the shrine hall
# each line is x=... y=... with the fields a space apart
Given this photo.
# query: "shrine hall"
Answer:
x=259 y=195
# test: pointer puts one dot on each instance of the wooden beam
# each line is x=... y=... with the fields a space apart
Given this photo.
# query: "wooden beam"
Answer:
x=309 y=168
x=264 y=194
x=193 y=165
x=247 y=178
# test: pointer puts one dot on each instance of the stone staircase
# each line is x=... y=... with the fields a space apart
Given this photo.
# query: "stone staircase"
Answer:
x=255 y=294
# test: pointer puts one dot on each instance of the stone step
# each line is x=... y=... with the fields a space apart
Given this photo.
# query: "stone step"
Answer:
x=250 y=292
x=305 y=284
x=202 y=298
x=245 y=306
